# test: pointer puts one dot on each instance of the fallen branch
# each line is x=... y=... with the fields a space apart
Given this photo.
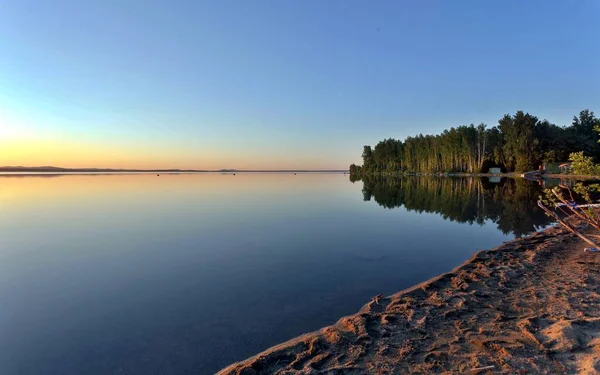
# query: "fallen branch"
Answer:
x=573 y=207
x=590 y=205
x=568 y=226
x=569 y=206
x=377 y=298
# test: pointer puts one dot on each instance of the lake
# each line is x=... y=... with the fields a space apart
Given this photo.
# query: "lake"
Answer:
x=184 y=274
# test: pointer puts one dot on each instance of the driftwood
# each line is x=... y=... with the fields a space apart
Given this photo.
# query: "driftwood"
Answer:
x=588 y=205
x=377 y=298
x=571 y=207
x=569 y=227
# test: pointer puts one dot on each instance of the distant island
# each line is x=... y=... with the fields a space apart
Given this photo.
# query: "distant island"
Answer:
x=50 y=169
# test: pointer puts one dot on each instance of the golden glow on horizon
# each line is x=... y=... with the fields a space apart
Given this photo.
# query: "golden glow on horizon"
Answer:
x=90 y=155
x=18 y=151
x=24 y=145
x=43 y=153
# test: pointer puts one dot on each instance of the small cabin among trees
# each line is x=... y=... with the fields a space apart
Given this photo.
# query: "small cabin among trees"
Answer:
x=564 y=168
x=561 y=167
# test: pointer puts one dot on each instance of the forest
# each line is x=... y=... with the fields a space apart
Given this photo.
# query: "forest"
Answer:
x=518 y=143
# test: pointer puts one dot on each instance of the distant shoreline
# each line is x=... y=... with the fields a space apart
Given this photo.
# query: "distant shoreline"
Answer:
x=10 y=169
x=46 y=170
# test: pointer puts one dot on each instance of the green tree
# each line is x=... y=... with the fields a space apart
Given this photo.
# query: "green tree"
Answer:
x=367 y=157
x=583 y=165
x=520 y=147
x=520 y=142
x=584 y=133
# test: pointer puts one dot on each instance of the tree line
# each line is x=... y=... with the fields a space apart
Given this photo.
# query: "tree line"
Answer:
x=519 y=143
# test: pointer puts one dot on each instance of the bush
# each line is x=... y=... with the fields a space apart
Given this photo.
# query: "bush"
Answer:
x=583 y=165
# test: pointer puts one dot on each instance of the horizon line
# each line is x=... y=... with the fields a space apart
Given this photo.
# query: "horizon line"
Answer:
x=92 y=169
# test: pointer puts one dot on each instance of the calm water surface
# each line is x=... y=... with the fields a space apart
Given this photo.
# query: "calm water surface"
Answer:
x=184 y=274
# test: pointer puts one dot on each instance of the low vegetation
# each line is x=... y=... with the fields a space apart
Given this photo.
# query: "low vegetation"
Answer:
x=580 y=203
x=583 y=165
x=519 y=143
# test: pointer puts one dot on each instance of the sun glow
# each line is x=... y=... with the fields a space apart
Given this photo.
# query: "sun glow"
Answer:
x=13 y=128
x=10 y=131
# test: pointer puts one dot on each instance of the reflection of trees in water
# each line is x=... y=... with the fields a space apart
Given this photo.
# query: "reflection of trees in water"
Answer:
x=511 y=203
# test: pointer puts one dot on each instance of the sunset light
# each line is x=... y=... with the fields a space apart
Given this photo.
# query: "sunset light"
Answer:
x=269 y=187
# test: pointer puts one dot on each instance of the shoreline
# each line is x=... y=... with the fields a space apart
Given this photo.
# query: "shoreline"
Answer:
x=530 y=305
x=501 y=175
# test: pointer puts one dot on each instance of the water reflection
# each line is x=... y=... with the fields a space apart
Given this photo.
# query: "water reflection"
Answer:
x=181 y=274
x=509 y=203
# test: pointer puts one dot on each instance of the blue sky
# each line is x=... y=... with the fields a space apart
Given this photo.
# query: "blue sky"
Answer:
x=278 y=84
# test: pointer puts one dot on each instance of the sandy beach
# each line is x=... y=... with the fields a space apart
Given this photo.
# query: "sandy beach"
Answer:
x=529 y=306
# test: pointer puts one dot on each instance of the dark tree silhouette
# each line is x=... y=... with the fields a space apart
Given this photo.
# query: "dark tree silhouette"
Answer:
x=520 y=142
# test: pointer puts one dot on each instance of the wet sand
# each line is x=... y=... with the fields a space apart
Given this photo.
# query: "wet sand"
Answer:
x=529 y=306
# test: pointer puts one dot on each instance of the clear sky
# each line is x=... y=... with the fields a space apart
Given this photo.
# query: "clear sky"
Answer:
x=277 y=84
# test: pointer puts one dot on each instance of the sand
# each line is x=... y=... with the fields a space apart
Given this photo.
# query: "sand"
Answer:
x=529 y=306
